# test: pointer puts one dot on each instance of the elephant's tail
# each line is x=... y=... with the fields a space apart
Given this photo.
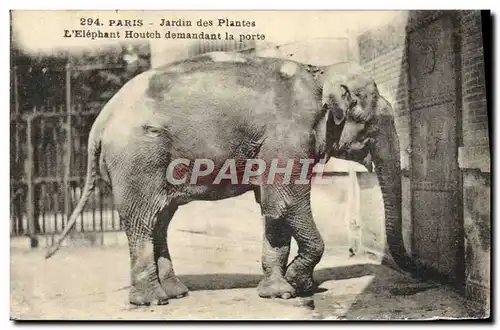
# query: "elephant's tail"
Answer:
x=92 y=165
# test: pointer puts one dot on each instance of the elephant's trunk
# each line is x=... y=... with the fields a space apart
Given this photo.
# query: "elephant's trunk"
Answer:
x=386 y=156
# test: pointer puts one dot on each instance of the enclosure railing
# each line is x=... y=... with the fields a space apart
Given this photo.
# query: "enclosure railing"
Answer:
x=48 y=159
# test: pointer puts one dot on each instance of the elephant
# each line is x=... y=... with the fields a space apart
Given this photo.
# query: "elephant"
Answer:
x=220 y=106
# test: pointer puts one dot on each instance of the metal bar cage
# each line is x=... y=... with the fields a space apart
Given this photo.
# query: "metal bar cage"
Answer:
x=48 y=152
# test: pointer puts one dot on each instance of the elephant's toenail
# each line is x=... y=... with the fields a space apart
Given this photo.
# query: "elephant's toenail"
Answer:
x=162 y=302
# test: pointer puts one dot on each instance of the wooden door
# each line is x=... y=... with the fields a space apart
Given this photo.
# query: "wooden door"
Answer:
x=435 y=132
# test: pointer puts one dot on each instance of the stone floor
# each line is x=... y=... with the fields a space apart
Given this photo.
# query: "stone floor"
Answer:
x=216 y=252
x=92 y=283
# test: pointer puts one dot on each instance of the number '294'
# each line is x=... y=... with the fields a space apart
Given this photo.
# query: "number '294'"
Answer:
x=89 y=21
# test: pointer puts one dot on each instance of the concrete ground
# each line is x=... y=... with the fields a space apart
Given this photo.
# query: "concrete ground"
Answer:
x=216 y=252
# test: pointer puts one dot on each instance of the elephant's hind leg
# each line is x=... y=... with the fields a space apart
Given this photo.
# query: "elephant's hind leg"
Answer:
x=170 y=283
x=139 y=200
x=146 y=288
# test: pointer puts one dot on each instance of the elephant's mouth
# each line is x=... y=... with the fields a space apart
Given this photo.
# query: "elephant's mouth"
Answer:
x=357 y=147
x=361 y=148
x=357 y=151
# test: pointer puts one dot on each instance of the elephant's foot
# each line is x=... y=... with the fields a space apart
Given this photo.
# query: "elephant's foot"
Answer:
x=170 y=283
x=300 y=278
x=140 y=297
x=174 y=287
x=275 y=287
x=146 y=289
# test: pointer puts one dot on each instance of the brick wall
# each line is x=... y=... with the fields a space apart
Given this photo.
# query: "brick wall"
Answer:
x=475 y=116
x=474 y=160
x=382 y=54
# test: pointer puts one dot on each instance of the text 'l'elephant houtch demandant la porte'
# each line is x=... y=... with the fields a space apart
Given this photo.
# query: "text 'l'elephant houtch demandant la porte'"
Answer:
x=233 y=106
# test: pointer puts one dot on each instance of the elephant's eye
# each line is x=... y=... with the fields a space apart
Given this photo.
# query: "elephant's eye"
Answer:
x=353 y=103
x=358 y=94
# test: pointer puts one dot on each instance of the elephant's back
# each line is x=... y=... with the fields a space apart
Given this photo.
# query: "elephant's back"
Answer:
x=202 y=107
x=211 y=112
x=233 y=86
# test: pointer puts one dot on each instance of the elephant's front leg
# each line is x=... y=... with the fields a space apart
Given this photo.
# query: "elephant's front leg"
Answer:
x=288 y=213
x=310 y=243
x=275 y=251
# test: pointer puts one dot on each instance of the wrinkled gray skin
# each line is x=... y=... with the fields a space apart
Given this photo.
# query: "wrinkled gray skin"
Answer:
x=223 y=106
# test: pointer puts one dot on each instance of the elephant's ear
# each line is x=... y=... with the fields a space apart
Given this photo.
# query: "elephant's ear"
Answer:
x=337 y=112
x=334 y=129
x=337 y=97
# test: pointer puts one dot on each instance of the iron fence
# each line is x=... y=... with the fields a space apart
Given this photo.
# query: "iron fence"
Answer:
x=48 y=151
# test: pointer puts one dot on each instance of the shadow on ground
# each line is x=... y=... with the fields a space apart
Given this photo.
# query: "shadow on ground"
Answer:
x=364 y=291
x=240 y=281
